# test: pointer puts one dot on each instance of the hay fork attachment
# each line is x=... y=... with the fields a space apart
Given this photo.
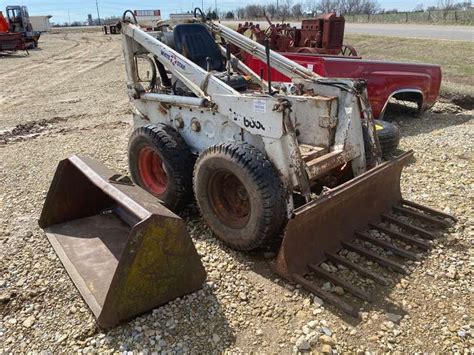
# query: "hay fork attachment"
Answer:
x=341 y=220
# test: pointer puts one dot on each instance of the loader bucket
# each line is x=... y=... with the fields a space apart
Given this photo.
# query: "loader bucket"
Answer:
x=124 y=251
x=341 y=218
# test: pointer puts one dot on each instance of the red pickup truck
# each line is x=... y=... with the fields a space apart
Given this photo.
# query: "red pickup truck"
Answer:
x=419 y=83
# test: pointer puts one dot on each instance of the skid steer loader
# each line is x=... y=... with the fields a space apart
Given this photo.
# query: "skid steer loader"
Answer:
x=301 y=159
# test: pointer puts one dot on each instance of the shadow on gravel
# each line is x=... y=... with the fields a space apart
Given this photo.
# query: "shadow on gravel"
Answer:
x=196 y=318
x=13 y=55
x=462 y=100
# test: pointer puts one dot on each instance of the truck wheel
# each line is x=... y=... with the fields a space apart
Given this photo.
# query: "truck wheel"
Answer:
x=389 y=136
x=161 y=162
x=240 y=194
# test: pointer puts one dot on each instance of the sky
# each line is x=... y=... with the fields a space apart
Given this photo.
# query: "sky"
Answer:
x=76 y=10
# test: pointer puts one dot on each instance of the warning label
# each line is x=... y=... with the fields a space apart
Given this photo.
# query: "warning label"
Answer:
x=259 y=106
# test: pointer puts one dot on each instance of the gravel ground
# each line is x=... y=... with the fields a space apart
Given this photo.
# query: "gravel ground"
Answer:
x=69 y=97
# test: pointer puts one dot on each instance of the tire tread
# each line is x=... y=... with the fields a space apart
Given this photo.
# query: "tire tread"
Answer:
x=267 y=182
x=178 y=156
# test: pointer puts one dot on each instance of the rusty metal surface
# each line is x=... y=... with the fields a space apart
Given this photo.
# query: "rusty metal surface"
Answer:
x=333 y=31
x=321 y=35
x=11 y=42
x=361 y=270
x=387 y=246
x=420 y=231
x=321 y=165
x=124 y=251
x=340 y=219
x=401 y=236
x=322 y=225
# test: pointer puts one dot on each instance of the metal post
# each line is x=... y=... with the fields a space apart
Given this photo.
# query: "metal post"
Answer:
x=269 y=68
x=97 y=5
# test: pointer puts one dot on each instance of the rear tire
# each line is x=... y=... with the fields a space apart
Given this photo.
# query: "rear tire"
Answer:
x=389 y=136
x=240 y=194
x=161 y=162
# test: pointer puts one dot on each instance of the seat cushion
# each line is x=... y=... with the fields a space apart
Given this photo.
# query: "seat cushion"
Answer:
x=194 y=41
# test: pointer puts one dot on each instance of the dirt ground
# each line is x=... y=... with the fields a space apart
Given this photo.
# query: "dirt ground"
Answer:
x=69 y=97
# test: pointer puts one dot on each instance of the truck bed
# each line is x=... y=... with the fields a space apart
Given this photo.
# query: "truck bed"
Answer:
x=419 y=83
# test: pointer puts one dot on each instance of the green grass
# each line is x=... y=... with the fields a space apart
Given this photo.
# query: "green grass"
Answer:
x=456 y=58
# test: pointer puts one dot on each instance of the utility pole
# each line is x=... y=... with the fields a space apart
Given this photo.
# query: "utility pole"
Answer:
x=98 y=15
x=202 y=5
x=69 y=17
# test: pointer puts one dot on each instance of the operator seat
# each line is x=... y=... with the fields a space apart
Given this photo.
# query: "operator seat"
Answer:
x=194 y=41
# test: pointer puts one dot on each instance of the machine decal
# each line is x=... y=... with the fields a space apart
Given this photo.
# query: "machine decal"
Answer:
x=253 y=124
x=259 y=106
x=173 y=59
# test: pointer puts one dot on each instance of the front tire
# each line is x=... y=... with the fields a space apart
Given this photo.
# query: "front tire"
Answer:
x=161 y=162
x=240 y=195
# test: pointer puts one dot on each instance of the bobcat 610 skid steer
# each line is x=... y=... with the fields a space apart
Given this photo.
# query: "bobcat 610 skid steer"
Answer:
x=300 y=161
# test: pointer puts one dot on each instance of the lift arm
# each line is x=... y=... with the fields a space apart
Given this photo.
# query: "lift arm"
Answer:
x=202 y=83
x=284 y=65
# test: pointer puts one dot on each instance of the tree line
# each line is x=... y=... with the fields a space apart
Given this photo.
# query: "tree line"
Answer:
x=285 y=9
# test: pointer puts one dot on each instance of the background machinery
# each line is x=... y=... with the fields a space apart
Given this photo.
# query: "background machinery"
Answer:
x=320 y=35
x=146 y=19
x=9 y=42
x=19 y=22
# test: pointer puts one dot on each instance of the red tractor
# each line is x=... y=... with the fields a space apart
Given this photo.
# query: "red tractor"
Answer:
x=16 y=32
x=9 y=42
x=321 y=35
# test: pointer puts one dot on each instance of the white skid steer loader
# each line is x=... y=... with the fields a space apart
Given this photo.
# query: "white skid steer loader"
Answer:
x=300 y=160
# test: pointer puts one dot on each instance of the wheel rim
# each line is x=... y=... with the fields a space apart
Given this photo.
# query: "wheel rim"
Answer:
x=229 y=199
x=152 y=171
